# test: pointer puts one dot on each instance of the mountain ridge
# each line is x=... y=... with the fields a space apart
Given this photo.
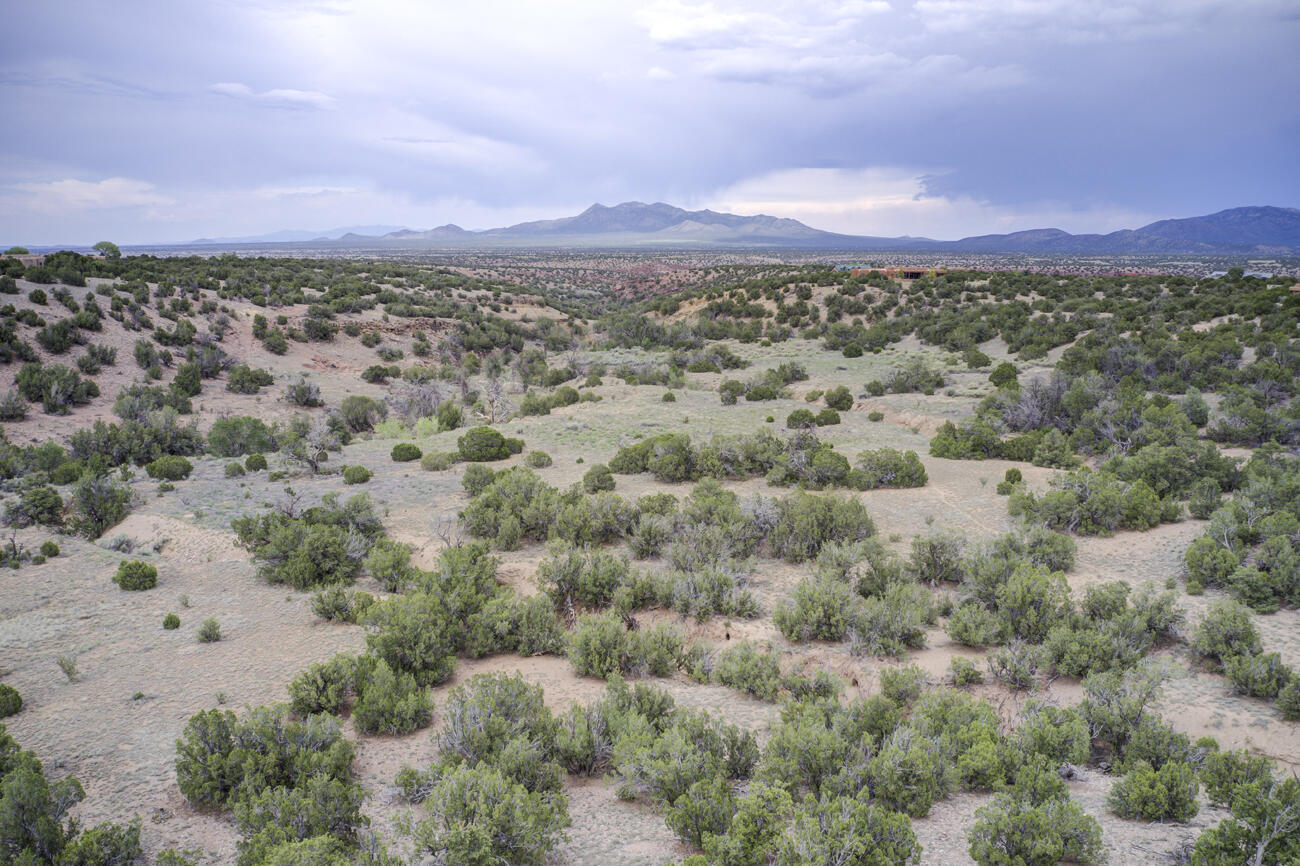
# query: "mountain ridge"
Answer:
x=1262 y=229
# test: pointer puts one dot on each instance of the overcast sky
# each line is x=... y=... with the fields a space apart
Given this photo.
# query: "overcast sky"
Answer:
x=165 y=121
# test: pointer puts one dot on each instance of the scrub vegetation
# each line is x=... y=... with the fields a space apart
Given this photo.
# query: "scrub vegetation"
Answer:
x=784 y=566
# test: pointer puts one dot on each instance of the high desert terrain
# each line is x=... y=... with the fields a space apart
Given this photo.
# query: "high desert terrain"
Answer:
x=726 y=563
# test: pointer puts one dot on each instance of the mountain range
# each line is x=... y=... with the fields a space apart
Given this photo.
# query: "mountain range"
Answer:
x=1244 y=230
x=299 y=235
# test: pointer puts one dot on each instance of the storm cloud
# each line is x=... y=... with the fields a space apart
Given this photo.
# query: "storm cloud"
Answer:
x=159 y=121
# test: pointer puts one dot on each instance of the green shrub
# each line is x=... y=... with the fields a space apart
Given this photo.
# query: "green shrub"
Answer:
x=1057 y=734
x=404 y=452
x=800 y=419
x=1003 y=374
x=325 y=686
x=390 y=703
x=1016 y=664
x=303 y=393
x=389 y=562
x=598 y=478
x=538 y=459
x=1167 y=794
x=936 y=558
x=1015 y=829
x=893 y=622
x=902 y=685
x=849 y=830
x=964 y=672
x=889 y=468
x=416 y=633
x=255 y=463
x=222 y=762
x=355 y=475
x=1288 y=699
x=171 y=622
x=1259 y=590
x=477 y=478
x=361 y=413
x=1259 y=676
x=601 y=645
x=875 y=416
x=1204 y=498
x=1153 y=741
x=235 y=469
x=438 y=461
x=975 y=625
x=484 y=817
x=1261 y=827
x=573 y=577
x=1226 y=630
x=1208 y=563
x=821 y=610
x=104 y=843
x=49 y=549
x=240 y=435
x=1223 y=773
x=702 y=593
x=317 y=548
x=746 y=668
x=136 y=575
x=839 y=398
x=1031 y=601
x=37 y=504
x=275 y=342
x=974 y=440
x=805 y=522
x=11 y=703
x=170 y=468
x=97 y=503
x=910 y=772
x=243 y=379
x=449 y=415
x=482 y=444
x=209 y=631
x=1053 y=450
x=516 y=505
x=488 y=716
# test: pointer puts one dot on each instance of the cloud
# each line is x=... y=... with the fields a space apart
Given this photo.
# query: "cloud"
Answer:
x=279 y=97
x=70 y=194
x=825 y=49
x=1080 y=109
x=890 y=201
x=1089 y=20
x=701 y=25
x=278 y=192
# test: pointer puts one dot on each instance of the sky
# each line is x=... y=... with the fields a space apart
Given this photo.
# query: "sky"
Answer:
x=144 y=122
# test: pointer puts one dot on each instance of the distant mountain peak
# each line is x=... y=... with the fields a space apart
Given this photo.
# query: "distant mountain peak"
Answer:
x=634 y=224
